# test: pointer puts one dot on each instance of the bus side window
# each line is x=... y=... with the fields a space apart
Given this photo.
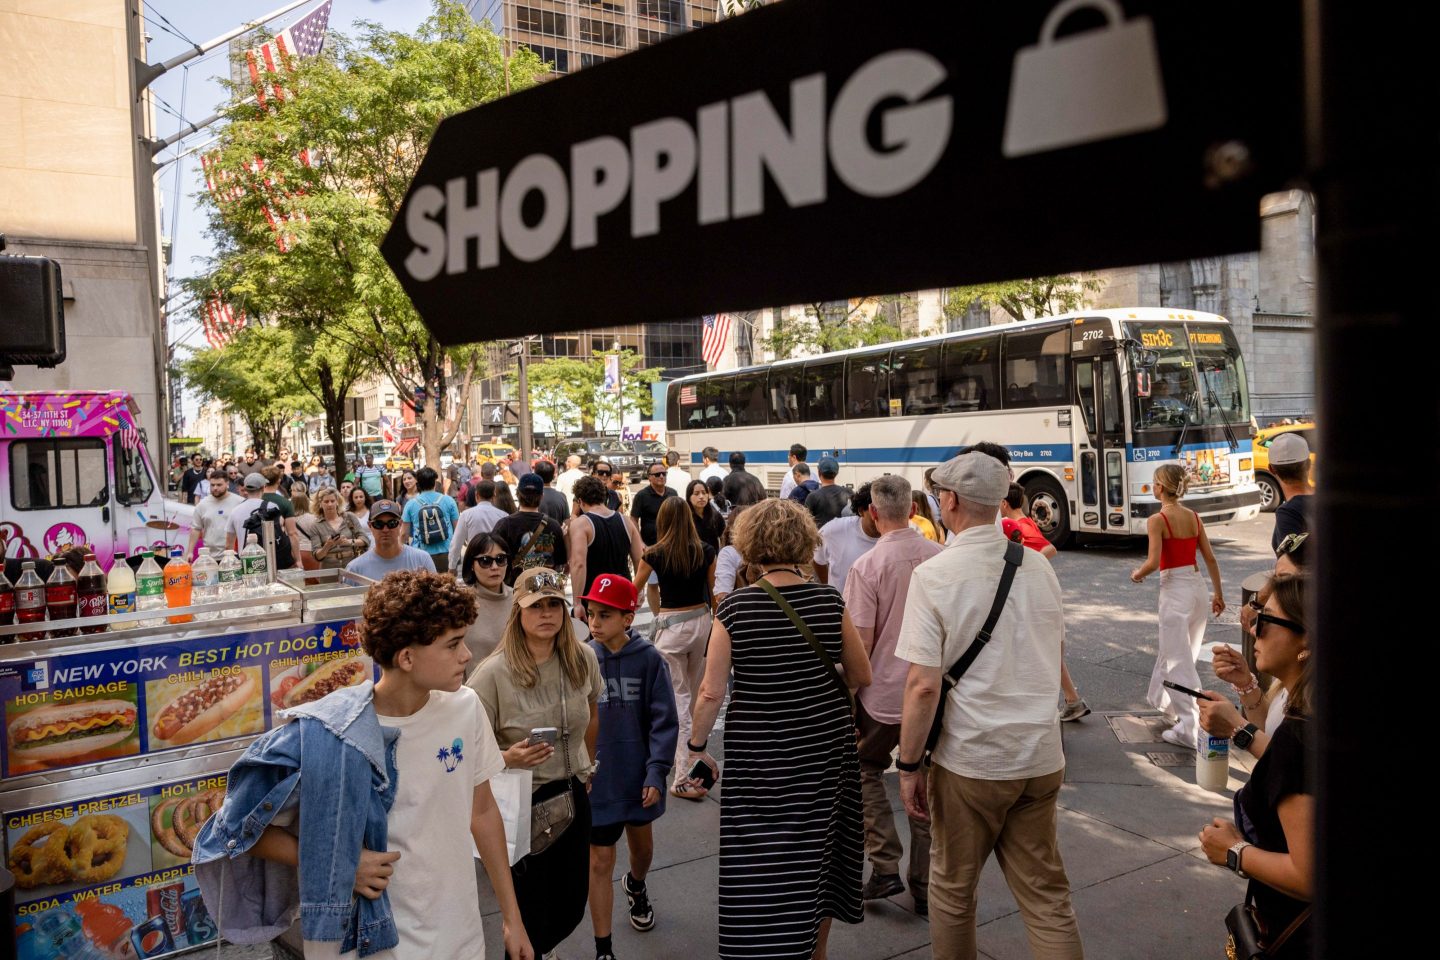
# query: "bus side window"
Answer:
x=866 y=393
x=915 y=379
x=968 y=375
x=784 y=395
x=1035 y=367
x=824 y=391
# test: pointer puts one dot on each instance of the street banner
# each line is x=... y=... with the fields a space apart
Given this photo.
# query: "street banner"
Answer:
x=818 y=149
x=612 y=373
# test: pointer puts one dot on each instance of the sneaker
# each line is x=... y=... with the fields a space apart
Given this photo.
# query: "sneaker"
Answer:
x=642 y=915
x=687 y=789
x=881 y=885
x=1176 y=736
x=922 y=907
x=1074 y=711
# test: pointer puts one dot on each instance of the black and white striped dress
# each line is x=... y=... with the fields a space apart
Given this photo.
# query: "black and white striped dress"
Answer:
x=791 y=830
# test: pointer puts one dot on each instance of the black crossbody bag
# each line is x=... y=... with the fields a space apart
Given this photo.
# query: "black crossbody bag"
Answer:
x=1014 y=556
x=810 y=638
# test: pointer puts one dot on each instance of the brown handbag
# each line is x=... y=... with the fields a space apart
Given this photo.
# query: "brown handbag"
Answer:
x=550 y=818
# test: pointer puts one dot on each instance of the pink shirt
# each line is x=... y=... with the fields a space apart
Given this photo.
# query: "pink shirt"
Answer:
x=875 y=594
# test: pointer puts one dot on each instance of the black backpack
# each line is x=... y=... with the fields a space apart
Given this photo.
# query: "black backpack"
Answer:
x=269 y=512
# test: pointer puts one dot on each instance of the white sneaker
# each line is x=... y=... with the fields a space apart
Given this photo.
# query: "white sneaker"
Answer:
x=1178 y=737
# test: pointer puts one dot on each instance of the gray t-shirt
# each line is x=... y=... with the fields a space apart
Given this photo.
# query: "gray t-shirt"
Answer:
x=371 y=564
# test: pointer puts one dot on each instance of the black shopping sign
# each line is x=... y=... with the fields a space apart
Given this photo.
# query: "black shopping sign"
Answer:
x=818 y=149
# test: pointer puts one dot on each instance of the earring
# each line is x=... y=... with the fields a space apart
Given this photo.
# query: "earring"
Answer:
x=1303 y=655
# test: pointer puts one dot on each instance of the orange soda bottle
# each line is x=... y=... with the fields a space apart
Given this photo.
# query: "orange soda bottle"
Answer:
x=178 y=583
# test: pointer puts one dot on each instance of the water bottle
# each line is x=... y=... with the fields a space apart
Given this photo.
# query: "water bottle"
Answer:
x=231 y=588
x=121 y=587
x=1212 y=760
x=205 y=582
x=150 y=589
x=253 y=568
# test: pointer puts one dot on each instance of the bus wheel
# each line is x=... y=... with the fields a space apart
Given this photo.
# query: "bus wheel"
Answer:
x=1271 y=495
x=1049 y=509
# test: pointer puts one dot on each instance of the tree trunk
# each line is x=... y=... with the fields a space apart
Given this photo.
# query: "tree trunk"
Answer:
x=332 y=402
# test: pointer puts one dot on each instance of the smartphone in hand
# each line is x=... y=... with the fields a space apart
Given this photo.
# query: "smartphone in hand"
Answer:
x=702 y=773
x=544 y=735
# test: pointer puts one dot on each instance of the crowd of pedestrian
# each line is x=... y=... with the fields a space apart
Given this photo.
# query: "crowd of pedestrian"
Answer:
x=840 y=631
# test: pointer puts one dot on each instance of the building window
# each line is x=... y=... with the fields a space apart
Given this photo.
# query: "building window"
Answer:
x=669 y=11
x=602 y=31
x=540 y=21
x=646 y=38
x=611 y=5
x=559 y=59
x=590 y=59
x=389 y=399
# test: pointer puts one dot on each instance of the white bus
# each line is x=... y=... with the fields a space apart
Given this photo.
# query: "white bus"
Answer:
x=1089 y=404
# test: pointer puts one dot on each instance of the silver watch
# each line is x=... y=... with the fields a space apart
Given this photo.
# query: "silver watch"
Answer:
x=1232 y=859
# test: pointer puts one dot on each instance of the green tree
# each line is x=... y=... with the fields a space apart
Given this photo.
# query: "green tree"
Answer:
x=1026 y=299
x=833 y=325
x=252 y=375
x=568 y=388
x=316 y=175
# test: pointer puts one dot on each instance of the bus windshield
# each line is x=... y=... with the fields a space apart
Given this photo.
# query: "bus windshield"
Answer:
x=1199 y=379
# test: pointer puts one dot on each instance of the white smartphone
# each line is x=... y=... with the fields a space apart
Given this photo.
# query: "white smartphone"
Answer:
x=544 y=735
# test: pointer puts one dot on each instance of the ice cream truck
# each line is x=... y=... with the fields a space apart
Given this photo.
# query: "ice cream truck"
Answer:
x=73 y=471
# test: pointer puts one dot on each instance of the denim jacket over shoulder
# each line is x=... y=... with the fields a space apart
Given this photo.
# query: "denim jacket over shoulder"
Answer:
x=336 y=764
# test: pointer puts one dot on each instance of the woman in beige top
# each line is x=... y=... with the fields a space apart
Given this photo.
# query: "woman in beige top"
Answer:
x=483 y=567
x=542 y=676
x=335 y=537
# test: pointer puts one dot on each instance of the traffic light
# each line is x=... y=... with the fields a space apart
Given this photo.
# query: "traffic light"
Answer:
x=32 y=312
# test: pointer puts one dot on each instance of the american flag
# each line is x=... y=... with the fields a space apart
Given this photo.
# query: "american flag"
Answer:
x=305 y=38
x=220 y=321
x=715 y=337
x=129 y=436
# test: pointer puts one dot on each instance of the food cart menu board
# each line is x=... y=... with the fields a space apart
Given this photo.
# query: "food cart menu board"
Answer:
x=110 y=876
x=89 y=707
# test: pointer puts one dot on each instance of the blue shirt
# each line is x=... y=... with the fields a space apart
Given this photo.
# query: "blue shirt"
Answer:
x=371 y=564
x=412 y=517
x=370 y=479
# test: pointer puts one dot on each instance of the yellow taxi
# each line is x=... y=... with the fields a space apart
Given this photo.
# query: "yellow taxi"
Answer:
x=402 y=457
x=492 y=452
x=1271 y=495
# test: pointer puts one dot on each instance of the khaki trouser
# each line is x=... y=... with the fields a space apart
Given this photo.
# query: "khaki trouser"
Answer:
x=882 y=842
x=683 y=647
x=1016 y=820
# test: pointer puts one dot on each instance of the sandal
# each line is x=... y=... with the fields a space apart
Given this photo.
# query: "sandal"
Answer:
x=688 y=789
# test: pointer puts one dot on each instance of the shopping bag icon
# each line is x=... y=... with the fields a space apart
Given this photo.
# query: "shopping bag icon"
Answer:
x=1089 y=86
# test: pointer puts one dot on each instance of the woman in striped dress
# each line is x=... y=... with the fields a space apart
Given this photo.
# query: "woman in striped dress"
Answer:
x=791 y=829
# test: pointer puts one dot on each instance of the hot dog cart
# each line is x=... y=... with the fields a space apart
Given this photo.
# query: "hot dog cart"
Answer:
x=117 y=745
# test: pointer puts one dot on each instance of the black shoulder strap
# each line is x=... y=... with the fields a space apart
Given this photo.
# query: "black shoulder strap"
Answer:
x=809 y=636
x=1014 y=556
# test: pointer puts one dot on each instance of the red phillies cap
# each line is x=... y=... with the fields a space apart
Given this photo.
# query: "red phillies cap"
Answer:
x=613 y=590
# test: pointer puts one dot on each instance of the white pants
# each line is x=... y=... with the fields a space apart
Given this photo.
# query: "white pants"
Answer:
x=1184 y=607
x=683 y=647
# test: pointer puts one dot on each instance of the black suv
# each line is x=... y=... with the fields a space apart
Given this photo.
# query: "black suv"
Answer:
x=621 y=455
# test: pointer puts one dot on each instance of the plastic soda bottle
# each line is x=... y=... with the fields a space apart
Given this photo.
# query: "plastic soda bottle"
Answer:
x=231 y=588
x=179 y=583
x=7 y=600
x=150 y=588
x=205 y=576
x=91 y=594
x=120 y=586
x=61 y=598
x=30 y=600
x=253 y=567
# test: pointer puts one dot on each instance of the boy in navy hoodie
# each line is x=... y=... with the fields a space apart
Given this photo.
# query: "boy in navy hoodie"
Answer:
x=638 y=733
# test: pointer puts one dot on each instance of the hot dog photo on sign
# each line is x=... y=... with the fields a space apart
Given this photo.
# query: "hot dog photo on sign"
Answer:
x=308 y=682
x=63 y=728
x=189 y=708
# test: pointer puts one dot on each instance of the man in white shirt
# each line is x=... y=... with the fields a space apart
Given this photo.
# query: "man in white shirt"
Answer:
x=846 y=540
x=565 y=483
x=997 y=768
x=711 y=456
x=212 y=514
x=798 y=453
x=253 y=488
x=677 y=478
x=479 y=519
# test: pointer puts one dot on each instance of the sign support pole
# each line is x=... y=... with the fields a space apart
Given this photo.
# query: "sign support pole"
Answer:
x=526 y=438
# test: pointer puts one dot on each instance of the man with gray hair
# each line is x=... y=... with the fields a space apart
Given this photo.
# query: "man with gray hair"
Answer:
x=875 y=593
x=997 y=767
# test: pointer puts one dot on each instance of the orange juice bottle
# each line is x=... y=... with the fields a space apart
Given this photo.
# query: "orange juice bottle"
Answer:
x=178 y=583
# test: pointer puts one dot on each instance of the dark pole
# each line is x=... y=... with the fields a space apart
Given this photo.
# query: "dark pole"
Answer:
x=524 y=388
x=1372 y=124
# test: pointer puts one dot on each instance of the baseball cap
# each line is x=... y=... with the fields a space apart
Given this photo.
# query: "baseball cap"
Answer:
x=1289 y=448
x=828 y=466
x=386 y=506
x=254 y=481
x=532 y=483
x=536 y=584
x=613 y=590
x=975 y=476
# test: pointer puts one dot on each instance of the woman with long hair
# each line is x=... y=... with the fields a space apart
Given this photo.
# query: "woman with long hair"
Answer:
x=504 y=496
x=409 y=487
x=709 y=524
x=483 y=568
x=543 y=676
x=358 y=506
x=300 y=498
x=924 y=518
x=716 y=486
x=685 y=566
x=1176 y=536
x=335 y=537
x=1274 y=843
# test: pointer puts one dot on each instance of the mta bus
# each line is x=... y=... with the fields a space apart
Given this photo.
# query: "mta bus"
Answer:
x=1088 y=404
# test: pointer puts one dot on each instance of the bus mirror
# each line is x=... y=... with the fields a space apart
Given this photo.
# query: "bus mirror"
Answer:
x=1147 y=358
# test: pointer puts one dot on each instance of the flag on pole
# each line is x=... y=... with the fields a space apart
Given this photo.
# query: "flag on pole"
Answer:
x=305 y=38
x=715 y=337
x=220 y=321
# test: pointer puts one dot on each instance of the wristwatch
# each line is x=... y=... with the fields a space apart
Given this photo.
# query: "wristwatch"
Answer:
x=1232 y=859
x=1245 y=736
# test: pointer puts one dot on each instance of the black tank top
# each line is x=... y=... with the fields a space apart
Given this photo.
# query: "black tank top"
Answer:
x=609 y=549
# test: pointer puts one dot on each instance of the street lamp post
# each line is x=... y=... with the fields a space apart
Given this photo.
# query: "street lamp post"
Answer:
x=523 y=346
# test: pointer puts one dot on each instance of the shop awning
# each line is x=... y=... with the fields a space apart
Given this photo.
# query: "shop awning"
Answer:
x=404 y=447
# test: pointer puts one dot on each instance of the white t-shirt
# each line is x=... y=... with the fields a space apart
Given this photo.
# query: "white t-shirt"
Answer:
x=212 y=516
x=727 y=568
x=842 y=542
x=789 y=484
x=446 y=749
x=238 y=515
x=714 y=470
x=565 y=483
x=677 y=479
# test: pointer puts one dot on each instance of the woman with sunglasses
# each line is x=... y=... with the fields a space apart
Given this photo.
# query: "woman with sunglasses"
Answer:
x=542 y=676
x=483 y=567
x=1176 y=536
x=1273 y=845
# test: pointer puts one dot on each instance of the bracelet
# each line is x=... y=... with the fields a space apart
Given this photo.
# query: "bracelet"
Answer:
x=1246 y=691
x=904 y=767
x=694 y=749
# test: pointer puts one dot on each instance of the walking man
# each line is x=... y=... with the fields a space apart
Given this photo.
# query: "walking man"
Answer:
x=711 y=457
x=474 y=521
x=677 y=478
x=1290 y=464
x=830 y=500
x=997 y=768
x=645 y=508
x=388 y=552
x=845 y=540
x=875 y=594
x=370 y=477
x=565 y=483
x=742 y=488
x=599 y=539
x=798 y=453
x=212 y=515
x=430 y=519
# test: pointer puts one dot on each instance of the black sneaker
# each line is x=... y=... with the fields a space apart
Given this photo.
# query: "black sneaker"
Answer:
x=881 y=885
x=642 y=915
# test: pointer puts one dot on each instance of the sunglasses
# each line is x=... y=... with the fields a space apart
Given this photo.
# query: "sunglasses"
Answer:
x=390 y=524
x=544 y=581
x=1263 y=618
x=492 y=560
x=654 y=475
x=604 y=473
x=1291 y=543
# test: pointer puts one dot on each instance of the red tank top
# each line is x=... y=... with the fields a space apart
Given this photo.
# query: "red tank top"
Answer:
x=1177 y=551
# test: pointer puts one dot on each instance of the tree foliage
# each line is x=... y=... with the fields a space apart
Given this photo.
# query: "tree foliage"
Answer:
x=1026 y=299
x=836 y=325
x=253 y=376
x=315 y=176
x=567 y=389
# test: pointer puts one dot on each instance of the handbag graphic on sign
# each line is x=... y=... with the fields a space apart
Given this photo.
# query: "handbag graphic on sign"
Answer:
x=1088 y=86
